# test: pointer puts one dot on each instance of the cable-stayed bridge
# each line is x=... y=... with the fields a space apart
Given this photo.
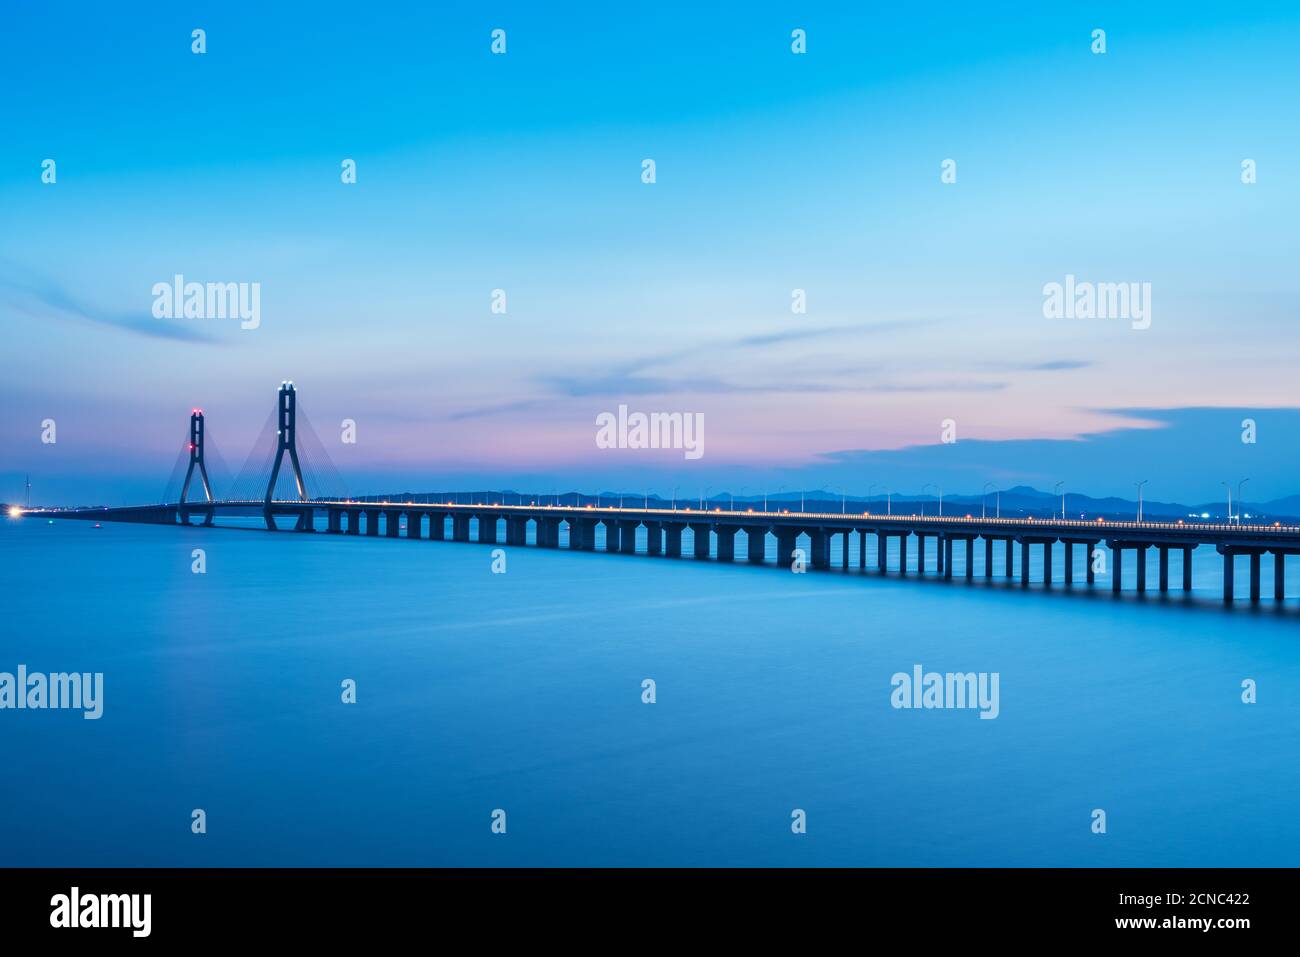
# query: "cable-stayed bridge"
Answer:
x=290 y=480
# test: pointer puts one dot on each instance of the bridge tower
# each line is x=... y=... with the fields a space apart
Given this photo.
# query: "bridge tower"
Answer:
x=287 y=401
x=196 y=457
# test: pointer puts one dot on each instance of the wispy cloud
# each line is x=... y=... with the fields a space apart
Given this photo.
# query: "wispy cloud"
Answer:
x=42 y=299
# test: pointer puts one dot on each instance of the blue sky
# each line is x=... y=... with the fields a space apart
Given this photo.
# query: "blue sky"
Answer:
x=774 y=172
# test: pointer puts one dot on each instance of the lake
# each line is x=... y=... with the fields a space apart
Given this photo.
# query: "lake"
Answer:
x=523 y=692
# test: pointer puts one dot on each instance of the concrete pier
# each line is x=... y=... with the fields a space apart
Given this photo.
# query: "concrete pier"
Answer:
x=673 y=539
x=628 y=537
x=654 y=538
x=726 y=542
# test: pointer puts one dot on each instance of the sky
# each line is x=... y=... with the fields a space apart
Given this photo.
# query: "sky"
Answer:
x=774 y=172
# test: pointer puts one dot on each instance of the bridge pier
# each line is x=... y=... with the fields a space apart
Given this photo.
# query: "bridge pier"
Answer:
x=627 y=537
x=756 y=544
x=1117 y=567
x=882 y=551
x=354 y=522
x=1068 y=559
x=1141 y=551
x=1047 y=564
x=548 y=532
x=701 y=539
x=1011 y=546
x=1254 y=576
x=392 y=523
x=1024 y=562
x=582 y=535
x=787 y=540
x=726 y=542
x=920 y=554
x=654 y=538
x=437 y=526
x=945 y=558
x=862 y=548
x=459 y=527
x=335 y=521
x=1279 y=576
x=516 y=531
x=988 y=557
x=1089 y=574
x=1229 y=557
x=487 y=529
x=844 y=552
x=611 y=535
x=970 y=557
x=306 y=521
x=413 y=520
x=819 y=543
x=372 y=522
x=1164 y=568
x=673 y=539
x=1187 y=569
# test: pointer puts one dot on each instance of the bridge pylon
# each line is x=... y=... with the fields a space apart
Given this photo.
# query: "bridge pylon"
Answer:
x=287 y=441
x=196 y=457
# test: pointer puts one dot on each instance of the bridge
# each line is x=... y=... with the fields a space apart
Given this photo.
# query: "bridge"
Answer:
x=713 y=532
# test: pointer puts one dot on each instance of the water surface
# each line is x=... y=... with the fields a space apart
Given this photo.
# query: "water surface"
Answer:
x=522 y=691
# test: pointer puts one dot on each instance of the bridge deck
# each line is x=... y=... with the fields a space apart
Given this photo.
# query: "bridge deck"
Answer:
x=664 y=528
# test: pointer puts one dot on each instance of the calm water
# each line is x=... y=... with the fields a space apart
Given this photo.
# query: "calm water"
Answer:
x=522 y=691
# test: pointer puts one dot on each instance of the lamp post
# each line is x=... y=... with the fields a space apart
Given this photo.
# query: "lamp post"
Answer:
x=1239 y=498
x=1229 y=488
x=984 y=504
x=923 y=488
x=674 y=498
x=1139 y=488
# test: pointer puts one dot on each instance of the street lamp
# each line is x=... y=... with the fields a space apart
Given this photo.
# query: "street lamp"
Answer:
x=1239 y=498
x=844 y=496
x=889 y=508
x=1061 y=486
x=984 y=501
x=1139 y=488
x=704 y=494
x=1229 y=488
x=923 y=488
x=674 y=498
x=743 y=490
